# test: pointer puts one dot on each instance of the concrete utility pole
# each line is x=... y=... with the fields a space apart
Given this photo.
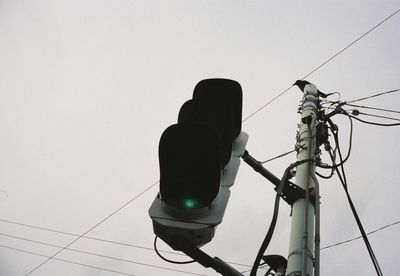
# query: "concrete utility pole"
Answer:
x=300 y=258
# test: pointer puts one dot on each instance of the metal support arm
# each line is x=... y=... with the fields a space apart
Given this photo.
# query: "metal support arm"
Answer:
x=203 y=258
x=291 y=192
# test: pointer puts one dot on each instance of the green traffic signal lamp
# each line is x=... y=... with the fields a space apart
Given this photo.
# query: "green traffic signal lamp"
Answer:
x=199 y=158
x=190 y=203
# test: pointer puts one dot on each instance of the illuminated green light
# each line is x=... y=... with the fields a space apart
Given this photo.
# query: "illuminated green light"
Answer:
x=190 y=203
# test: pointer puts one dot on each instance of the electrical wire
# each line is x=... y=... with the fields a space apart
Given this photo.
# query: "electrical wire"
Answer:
x=375 y=95
x=272 y=225
x=88 y=237
x=266 y=104
x=342 y=178
x=372 y=108
x=279 y=156
x=262 y=266
x=334 y=130
x=67 y=261
x=93 y=227
x=352 y=43
x=373 y=123
x=359 y=237
x=324 y=63
x=371 y=115
x=251 y=115
x=168 y=260
x=103 y=240
x=97 y=255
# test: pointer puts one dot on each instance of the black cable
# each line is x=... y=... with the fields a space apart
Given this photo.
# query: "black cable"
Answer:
x=373 y=123
x=168 y=260
x=355 y=112
x=278 y=156
x=325 y=176
x=93 y=227
x=335 y=131
x=262 y=266
x=66 y=261
x=269 y=273
x=266 y=104
x=102 y=240
x=359 y=237
x=359 y=224
x=272 y=225
x=373 y=108
x=375 y=95
x=352 y=43
x=325 y=62
x=97 y=255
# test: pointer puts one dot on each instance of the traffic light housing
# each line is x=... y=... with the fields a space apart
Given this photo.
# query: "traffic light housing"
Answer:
x=199 y=158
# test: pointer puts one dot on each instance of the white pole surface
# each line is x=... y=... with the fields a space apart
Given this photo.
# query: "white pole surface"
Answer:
x=300 y=258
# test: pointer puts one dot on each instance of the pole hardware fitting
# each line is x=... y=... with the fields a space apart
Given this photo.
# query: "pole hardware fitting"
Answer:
x=322 y=131
x=291 y=193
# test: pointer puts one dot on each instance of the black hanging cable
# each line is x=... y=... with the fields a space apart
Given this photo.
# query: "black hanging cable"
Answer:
x=168 y=260
x=343 y=180
x=272 y=225
x=335 y=131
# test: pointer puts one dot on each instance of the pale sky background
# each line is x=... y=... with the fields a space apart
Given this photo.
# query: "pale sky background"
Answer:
x=87 y=88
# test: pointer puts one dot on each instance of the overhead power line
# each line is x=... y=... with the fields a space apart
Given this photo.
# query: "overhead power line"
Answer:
x=359 y=237
x=103 y=240
x=98 y=255
x=373 y=108
x=377 y=116
x=93 y=227
x=83 y=237
x=67 y=261
x=324 y=63
x=373 y=96
x=279 y=95
x=266 y=104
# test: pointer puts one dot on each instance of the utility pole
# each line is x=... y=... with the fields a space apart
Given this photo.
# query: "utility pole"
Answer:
x=301 y=256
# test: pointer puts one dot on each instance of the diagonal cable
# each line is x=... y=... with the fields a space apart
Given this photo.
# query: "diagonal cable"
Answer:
x=359 y=237
x=325 y=62
x=97 y=254
x=93 y=227
x=66 y=261
x=103 y=240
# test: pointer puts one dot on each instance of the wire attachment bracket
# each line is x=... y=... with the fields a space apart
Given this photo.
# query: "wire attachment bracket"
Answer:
x=290 y=193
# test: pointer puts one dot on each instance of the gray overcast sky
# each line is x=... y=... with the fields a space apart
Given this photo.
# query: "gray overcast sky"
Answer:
x=87 y=88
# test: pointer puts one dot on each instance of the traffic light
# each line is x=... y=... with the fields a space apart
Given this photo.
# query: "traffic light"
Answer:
x=199 y=158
